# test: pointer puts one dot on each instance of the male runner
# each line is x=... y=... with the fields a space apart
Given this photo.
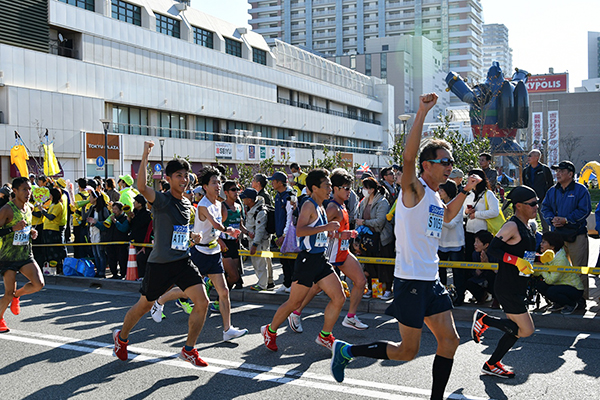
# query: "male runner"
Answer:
x=168 y=263
x=16 y=253
x=338 y=254
x=418 y=294
x=311 y=266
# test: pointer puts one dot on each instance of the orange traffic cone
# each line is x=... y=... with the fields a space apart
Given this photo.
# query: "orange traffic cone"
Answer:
x=132 y=270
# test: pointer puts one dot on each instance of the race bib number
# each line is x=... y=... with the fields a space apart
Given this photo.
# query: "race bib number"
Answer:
x=21 y=237
x=529 y=256
x=181 y=237
x=321 y=239
x=435 y=222
x=344 y=245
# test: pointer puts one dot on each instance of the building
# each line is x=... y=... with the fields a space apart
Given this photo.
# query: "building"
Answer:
x=409 y=63
x=496 y=48
x=593 y=55
x=158 y=69
x=342 y=27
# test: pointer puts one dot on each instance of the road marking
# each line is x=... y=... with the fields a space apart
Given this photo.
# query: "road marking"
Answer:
x=238 y=369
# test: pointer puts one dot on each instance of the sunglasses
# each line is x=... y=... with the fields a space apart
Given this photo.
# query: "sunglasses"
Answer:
x=444 y=161
x=235 y=189
x=532 y=204
x=344 y=187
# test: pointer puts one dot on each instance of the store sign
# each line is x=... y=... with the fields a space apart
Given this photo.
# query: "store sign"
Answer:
x=547 y=83
x=553 y=155
x=94 y=146
x=347 y=161
x=224 y=150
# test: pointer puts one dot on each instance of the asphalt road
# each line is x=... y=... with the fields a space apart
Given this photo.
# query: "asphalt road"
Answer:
x=61 y=347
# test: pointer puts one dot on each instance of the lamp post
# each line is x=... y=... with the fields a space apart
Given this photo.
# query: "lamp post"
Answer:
x=106 y=126
x=404 y=118
x=378 y=153
x=162 y=166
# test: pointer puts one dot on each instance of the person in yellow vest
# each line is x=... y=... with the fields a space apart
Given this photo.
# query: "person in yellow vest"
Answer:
x=54 y=225
x=299 y=178
x=127 y=192
x=66 y=200
x=79 y=206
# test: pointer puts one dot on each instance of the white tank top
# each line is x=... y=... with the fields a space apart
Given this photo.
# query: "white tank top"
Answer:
x=418 y=231
x=209 y=243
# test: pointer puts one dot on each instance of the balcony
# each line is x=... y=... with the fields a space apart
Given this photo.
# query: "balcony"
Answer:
x=324 y=110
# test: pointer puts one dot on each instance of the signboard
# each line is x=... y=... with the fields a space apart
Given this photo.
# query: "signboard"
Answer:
x=262 y=150
x=240 y=153
x=100 y=163
x=94 y=146
x=157 y=168
x=347 y=161
x=282 y=154
x=536 y=130
x=292 y=154
x=224 y=150
x=553 y=155
x=273 y=153
x=252 y=152
x=547 y=83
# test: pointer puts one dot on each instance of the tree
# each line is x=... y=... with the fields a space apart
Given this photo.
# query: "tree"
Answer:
x=571 y=144
x=329 y=161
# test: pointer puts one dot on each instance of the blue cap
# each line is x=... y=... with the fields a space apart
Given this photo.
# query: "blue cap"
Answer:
x=278 y=176
x=249 y=194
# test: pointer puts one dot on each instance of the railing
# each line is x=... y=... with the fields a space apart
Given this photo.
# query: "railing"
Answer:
x=327 y=111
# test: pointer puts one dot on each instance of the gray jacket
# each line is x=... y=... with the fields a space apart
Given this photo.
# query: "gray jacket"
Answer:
x=256 y=221
x=378 y=223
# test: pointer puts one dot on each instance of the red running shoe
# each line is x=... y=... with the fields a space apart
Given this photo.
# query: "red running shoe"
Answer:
x=497 y=370
x=15 y=307
x=192 y=357
x=325 y=341
x=120 y=349
x=269 y=338
x=478 y=326
x=3 y=327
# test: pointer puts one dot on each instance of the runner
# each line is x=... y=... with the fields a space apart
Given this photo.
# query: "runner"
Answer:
x=515 y=245
x=419 y=297
x=16 y=253
x=168 y=262
x=311 y=266
x=338 y=254
x=231 y=211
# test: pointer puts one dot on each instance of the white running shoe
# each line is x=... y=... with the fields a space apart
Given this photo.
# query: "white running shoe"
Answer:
x=295 y=322
x=234 y=333
x=157 y=311
x=387 y=295
x=354 y=323
x=280 y=289
x=288 y=289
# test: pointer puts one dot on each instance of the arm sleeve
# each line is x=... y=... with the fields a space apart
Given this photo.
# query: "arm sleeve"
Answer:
x=584 y=207
x=123 y=226
x=493 y=206
x=260 y=231
x=547 y=207
x=288 y=216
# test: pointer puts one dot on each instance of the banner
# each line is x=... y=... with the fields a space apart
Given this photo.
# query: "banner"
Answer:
x=240 y=153
x=553 y=155
x=292 y=154
x=252 y=152
x=273 y=153
x=537 y=133
x=262 y=153
x=224 y=150
x=282 y=154
x=547 y=83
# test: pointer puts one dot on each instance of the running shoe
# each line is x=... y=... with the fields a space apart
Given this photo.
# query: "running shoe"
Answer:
x=15 y=307
x=184 y=305
x=354 y=323
x=325 y=341
x=3 y=327
x=208 y=285
x=338 y=360
x=120 y=349
x=192 y=357
x=295 y=322
x=387 y=295
x=157 y=311
x=214 y=307
x=234 y=333
x=269 y=338
x=288 y=290
x=556 y=307
x=478 y=326
x=257 y=288
x=270 y=286
x=497 y=370
x=568 y=310
x=368 y=294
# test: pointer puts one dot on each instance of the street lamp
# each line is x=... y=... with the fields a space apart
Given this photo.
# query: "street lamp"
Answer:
x=378 y=153
x=162 y=166
x=404 y=118
x=106 y=126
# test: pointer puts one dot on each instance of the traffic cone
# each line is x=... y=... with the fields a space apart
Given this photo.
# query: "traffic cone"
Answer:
x=132 y=270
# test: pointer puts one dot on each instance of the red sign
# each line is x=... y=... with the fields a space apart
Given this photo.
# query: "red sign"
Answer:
x=547 y=83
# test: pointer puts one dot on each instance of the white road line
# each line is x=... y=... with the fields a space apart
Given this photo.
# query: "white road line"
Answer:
x=232 y=368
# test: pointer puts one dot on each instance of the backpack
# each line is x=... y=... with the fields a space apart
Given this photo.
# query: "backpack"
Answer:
x=270 y=210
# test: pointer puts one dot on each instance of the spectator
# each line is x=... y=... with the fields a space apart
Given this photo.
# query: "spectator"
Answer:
x=566 y=208
x=299 y=178
x=231 y=213
x=371 y=214
x=283 y=219
x=481 y=282
x=82 y=199
x=388 y=183
x=352 y=207
x=563 y=289
x=95 y=215
x=457 y=177
x=256 y=225
x=119 y=232
x=164 y=186
x=127 y=192
x=112 y=193
x=54 y=229
x=4 y=196
x=259 y=183
x=452 y=242
x=140 y=225
x=485 y=159
x=66 y=200
x=538 y=177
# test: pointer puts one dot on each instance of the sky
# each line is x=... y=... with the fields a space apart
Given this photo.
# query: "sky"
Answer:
x=542 y=33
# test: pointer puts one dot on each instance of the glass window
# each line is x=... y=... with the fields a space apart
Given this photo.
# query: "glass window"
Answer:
x=127 y=12
x=130 y=120
x=87 y=4
x=203 y=37
x=383 y=66
x=233 y=47
x=172 y=125
x=204 y=125
x=368 y=64
x=259 y=56
x=168 y=26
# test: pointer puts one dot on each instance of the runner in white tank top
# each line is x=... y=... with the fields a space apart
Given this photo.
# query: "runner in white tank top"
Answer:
x=419 y=297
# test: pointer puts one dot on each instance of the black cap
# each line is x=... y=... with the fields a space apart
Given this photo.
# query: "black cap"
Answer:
x=140 y=199
x=279 y=176
x=521 y=194
x=92 y=183
x=249 y=194
x=568 y=165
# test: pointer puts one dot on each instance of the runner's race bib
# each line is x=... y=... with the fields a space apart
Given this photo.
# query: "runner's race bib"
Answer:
x=181 y=237
x=21 y=238
x=435 y=222
x=344 y=245
x=321 y=239
x=529 y=256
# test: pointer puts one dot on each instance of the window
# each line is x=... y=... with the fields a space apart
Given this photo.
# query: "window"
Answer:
x=259 y=56
x=129 y=13
x=204 y=125
x=130 y=120
x=353 y=62
x=172 y=125
x=87 y=4
x=368 y=64
x=385 y=47
x=203 y=37
x=168 y=26
x=233 y=47
x=383 y=66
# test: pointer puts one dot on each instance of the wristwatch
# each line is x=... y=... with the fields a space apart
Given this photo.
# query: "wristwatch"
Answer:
x=463 y=191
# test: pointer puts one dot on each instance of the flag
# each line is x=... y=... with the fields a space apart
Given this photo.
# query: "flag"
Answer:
x=363 y=168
